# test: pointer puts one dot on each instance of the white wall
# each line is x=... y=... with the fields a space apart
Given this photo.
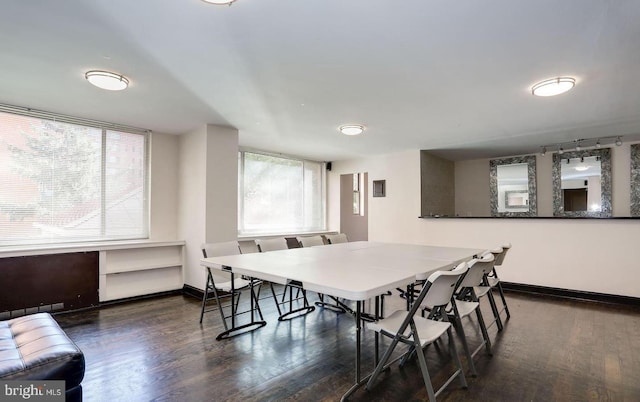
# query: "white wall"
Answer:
x=163 y=214
x=401 y=203
x=208 y=180
x=192 y=201
x=582 y=254
x=221 y=184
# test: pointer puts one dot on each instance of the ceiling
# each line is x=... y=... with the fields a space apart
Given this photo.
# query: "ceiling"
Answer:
x=454 y=77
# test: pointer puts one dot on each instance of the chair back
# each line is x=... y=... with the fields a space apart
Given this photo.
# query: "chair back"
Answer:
x=310 y=241
x=220 y=248
x=501 y=254
x=477 y=269
x=264 y=245
x=336 y=238
x=441 y=285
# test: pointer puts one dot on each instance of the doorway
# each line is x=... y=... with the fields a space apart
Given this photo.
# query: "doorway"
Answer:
x=354 y=206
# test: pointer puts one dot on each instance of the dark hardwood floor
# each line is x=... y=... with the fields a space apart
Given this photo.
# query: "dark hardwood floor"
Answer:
x=155 y=349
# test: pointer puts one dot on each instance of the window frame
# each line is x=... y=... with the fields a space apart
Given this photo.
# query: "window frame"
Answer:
x=104 y=128
x=240 y=219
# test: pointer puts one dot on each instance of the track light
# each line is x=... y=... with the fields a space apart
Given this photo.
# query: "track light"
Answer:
x=581 y=144
x=544 y=151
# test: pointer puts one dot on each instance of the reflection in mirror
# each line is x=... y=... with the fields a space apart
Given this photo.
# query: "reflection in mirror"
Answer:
x=582 y=183
x=516 y=199
x=513 y=186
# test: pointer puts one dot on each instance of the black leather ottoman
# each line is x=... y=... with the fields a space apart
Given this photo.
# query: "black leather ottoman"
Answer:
x=34 y=347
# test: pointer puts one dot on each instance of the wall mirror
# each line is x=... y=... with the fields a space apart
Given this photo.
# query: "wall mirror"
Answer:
x=513 y=186
x=582 y=183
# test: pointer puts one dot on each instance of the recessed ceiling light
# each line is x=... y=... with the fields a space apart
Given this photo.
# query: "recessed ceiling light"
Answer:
x=219 y=2
x=351 y=129
x=554 y=86
x=107 y=80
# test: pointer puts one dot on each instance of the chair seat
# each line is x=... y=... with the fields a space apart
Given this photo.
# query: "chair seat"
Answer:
x=465 y=307
x=493 y=281
x=481 y=290
x=239 y=284
x=428 y=330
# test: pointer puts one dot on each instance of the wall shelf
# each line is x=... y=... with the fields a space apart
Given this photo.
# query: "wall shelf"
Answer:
x=140 y=270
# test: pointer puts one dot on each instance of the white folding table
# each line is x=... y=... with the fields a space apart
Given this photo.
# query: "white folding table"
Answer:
x=356 y=271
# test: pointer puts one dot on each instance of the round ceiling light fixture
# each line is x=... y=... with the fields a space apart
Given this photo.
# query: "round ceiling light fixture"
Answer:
x=553 y=86
x=351 y=129
x=107 y=80
x=219 y=2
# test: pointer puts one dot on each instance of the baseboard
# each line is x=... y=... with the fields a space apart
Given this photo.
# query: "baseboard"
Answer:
x=188 y=290
x=123 y=301
x=571 y=294
x=142 y=297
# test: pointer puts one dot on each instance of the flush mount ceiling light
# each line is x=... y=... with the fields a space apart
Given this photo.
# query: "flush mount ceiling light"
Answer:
x=351 y=129
x=107 y=80
x=554 y=86
x=219 y=2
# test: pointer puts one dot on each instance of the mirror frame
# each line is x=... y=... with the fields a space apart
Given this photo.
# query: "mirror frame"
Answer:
x=605 y=177
x=530 y=160
x=635 y=180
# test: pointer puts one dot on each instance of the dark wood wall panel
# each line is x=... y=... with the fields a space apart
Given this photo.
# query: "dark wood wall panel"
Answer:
x=55 y=282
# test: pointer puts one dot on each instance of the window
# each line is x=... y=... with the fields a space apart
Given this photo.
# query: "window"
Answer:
x=279 y=195
x=63 y=181
x=356 y=193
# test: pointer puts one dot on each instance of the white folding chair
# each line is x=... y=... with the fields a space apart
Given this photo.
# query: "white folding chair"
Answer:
x=492 y=278
x=418 y=332
x=336 y=238
x=459 y=309
x=474 y=288
x=232 y=288
x=280 y=243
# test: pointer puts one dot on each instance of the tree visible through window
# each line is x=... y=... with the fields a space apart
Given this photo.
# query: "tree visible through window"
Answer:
x=63 y=181
x=280 y=195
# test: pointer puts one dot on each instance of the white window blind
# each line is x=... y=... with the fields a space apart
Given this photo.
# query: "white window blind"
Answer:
x=279 y=195
x=70 y=182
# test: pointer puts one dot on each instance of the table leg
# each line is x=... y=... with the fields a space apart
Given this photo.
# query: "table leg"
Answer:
x=358 y=338
x=358 y=381
x=377 y=335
